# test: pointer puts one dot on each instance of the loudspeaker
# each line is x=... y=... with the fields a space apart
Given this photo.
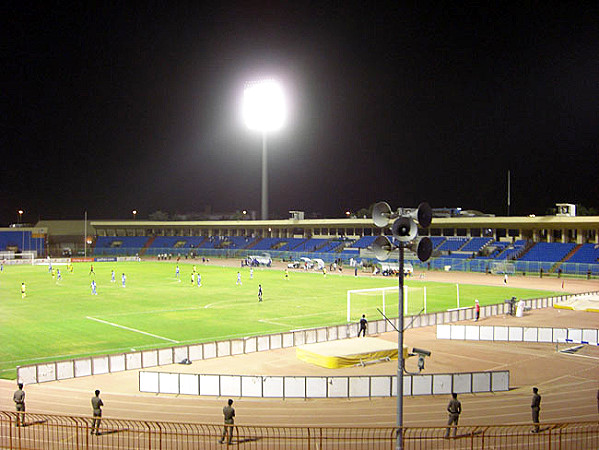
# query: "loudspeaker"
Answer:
x=381 y=214
x=404 y=229
x=425 y=249
x=382 y=248
x=425 y=215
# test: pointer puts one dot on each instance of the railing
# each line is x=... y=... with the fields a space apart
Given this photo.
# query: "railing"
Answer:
x=521 y=267
x=72 y=432
x=97 y=365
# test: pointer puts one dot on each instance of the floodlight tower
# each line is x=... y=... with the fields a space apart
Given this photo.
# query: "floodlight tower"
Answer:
x=405 y=230
x=264 y=110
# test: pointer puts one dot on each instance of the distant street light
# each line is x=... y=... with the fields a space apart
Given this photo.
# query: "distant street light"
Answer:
x=134 y=213
x=20 y=211
x=264 y=110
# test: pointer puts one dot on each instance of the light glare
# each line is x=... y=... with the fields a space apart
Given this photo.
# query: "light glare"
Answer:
x=264 y=105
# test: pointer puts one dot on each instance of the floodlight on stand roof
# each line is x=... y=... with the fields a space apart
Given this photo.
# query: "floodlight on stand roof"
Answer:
x=264 y=106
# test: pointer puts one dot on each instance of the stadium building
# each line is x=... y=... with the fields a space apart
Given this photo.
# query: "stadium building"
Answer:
x=560 y=244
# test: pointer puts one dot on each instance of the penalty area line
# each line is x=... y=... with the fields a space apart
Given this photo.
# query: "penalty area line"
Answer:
x=274 y=323
x=131 y=329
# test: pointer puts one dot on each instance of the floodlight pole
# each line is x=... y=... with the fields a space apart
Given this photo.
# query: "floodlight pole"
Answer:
x=400 y=360
x=264 y=178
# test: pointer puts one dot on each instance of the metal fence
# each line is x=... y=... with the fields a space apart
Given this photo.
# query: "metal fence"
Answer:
x=437 y=263
x=44 y=431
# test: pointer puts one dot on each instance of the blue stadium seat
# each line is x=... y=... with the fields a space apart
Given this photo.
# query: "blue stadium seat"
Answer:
x=548 y=252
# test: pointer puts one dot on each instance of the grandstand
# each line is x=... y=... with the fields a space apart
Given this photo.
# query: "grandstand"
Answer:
x=460 y=253
x=18 y=240
x=565 y=245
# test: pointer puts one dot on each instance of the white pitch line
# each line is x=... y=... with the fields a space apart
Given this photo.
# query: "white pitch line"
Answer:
x=131 y=329
x=580 y=356
x=274 y=323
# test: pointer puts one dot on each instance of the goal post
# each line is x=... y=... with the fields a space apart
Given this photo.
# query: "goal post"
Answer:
x=25 y=257
x=503 y=267
x=381 y=297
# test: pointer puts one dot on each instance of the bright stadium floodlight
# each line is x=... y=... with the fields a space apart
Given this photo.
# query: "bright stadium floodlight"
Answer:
x=264 y=110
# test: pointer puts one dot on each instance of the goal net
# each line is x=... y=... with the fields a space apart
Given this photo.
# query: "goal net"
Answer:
x=26 y=257
x=366 y=301
x=503 y=267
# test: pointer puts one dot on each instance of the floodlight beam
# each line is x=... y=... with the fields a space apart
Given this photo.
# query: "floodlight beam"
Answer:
x=264 y=110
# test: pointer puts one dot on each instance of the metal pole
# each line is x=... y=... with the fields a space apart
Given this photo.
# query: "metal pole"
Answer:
x=85 y=235
x=264 y=178
x=509 y=192
x=400 y=361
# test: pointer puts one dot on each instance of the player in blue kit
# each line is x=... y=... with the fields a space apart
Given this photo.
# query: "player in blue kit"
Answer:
x=123 y=280
x=93 y=285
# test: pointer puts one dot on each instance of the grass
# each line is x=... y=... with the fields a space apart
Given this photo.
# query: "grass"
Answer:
x=62 y=320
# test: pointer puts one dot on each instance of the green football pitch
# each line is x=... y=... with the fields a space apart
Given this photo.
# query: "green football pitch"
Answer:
x=63 y=320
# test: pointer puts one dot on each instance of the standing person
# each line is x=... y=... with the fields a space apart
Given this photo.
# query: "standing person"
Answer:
x=454 y=408
x=58 y=275
x=363 y=325
x=112 y=277
x=199 y=277
x=93 y=286
x=91 y=270
x=19 y=399
x=192 y=277
x=123 y=280
x=97 y=404
x=251 y=273
x=536 y=408
x=476 y=310
x=229 y=413
x=286 y=274
x=505 y=278
x=23 y=290
x=259 y=292
x=238 y=278
x=177 y=273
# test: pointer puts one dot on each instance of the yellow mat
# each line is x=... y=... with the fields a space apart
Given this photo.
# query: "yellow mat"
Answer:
x=348 y=352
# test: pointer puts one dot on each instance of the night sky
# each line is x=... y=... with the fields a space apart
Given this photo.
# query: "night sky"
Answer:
x=136 y=105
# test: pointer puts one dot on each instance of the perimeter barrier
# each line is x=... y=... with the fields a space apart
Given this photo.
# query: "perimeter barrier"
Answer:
x=73 y=432
x=322 y=387
x=518 y=334
x=98 y=365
